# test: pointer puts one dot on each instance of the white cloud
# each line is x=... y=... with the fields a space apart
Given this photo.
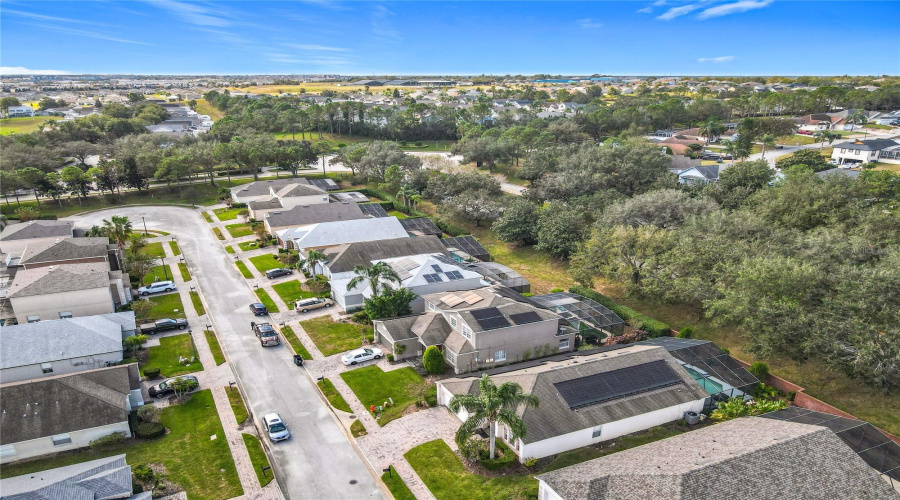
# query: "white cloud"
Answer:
x=590 y=24
x=678 y=11
x=21 y=70
x=194 y=13
x=315 y=48
x=42 y=17
x=720 y=59
x=733 y=8
x=645 y=10
x=86 y=33
x=382 y=26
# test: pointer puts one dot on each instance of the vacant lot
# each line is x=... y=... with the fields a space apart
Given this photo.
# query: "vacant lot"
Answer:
x=332 y=338
x=166 y=355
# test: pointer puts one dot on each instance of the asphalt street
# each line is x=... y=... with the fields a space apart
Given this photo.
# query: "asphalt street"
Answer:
x=318 y=461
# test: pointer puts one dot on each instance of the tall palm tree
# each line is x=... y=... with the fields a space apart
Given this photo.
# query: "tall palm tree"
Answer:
x=118 y=229
x=858 y=118
x=768 y=142
x=711 y=128
x=379 y=275
x=313 y=258
x=731 y=149
x=492 y=404
x=405 y=193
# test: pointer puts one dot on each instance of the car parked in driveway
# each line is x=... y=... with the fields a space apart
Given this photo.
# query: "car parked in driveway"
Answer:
x=161 y=389
x=279 y=271
x=276 y=428
x=259 y=309
x=163 y=325
x=361 y=355
x=157 y=287
x=306 y=305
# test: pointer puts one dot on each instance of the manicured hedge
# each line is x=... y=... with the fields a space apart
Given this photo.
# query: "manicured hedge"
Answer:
x=39 y=217
x=640 y=321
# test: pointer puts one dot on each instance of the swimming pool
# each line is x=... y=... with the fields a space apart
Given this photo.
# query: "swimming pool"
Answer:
x=711 y=386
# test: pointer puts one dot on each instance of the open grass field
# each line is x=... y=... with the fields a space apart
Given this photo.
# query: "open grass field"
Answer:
x=332 y=338
x=214 y=346
x=373 y=386
x=290 y=291
x=258 y=458
x=313 y=137
x=165 y=356
x=333 y=396
x=265 y=262
x=267 y=300
x=237 y=404
x=893 y=167
x=24 y=125
x=205 y=108
x=166 y=306
x=295 y=343
x=200 y=465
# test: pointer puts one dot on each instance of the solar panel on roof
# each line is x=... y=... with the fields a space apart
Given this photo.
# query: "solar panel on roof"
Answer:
x=525 y=317
x=472 y=298
x=433 y=278
x=487 y=312
x=616 y=384
x=454 y=275
x=451 y=300
x=437 y=268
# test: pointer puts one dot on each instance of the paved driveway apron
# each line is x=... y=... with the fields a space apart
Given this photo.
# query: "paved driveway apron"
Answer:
x=318 y=461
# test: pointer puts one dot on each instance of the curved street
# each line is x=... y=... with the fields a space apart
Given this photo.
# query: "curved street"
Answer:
x=318 y=461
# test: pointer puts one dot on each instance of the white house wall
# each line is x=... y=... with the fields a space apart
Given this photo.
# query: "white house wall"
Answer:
x=290 y=202
x=79 y=303
x=80 y=439
x=61 y=367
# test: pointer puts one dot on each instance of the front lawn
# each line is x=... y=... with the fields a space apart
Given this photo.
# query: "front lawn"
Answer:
x=224 y=214
x=295 y=343
x=198 y=304
x=214 y=346
x=248 y=245
x=266 y=300
x=239 y=230
x=165 y=356
x=333 y=396
x=332 y=338
x=203 y=467
x=373 y=386
x=243 y=269
x=175 y=250
x=166 y=306
x=154 y=250
x=157 y=273
x=237 y=404
x=398 y=488
x=258 y=458
x=290 y=291
x=265 y=262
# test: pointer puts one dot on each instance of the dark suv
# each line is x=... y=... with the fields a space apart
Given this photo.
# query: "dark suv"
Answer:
x=274 y=273
x=259 y=309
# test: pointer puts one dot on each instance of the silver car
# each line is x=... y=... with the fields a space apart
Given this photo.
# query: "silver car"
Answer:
x=276 y=428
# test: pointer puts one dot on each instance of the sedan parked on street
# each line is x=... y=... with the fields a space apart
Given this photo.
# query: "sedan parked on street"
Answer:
x=276 y=428
x=259 y=309
x=360 y=355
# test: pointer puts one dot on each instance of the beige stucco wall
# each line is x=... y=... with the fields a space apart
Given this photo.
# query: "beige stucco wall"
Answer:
x=80 y=439
x=80 y=303
x=516 y=341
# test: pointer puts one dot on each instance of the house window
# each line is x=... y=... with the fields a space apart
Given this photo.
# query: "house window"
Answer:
x=7 y=450
x=467 y=332
x=65 y=314
x=431 y=306
x=843 y=150
x=500 y=356
x=597 y=431
x=453 y=321
x=61 y=439
x=33 y=319
x=450 y=356
x=46 y=368
x=563 y=343
x=856 y=152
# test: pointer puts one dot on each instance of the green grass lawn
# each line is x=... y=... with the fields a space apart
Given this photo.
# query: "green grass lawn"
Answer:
x=357 y=429
x=157 y=273
x=214 y=346
x=166 y=306
x=248 y=245
x=185 y=272
x=237 y=404
x=333 y=396
x=447 y=478
x=218 y=233
x=398 y=488
x=205 y=108
x=154 y=250
x=239 y=230
x=24 y=125
x=265 y=262
x=203 y=467
x=295 y=343
x=228 y=249
x=398 y=214
x=207 y=217
x=258 y=458
x=332 y=338
x=243 y=269
x=174 y=247
x=198 y=304
x=373 y=386
x=289 y=291
x=224 y=214
x=267 y=301
x=165 y=356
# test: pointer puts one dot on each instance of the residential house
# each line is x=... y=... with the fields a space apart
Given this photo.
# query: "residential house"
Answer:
x=816 y=122
x=867 y=151
x=69 y=251
x=340 y=232
x=749 y=457
x=589 y=397
x=80 y=112
x=19 y=112
x=700 y=175
x=278 y=194
x=63 y=346
x=694 y=134
x=342 y=259
x=15 y=237
x=304 y=215
x=66 y=412
x=477 y=329
x=421 y=274
x=66 y=291
x=680 y=144
x=104 y=478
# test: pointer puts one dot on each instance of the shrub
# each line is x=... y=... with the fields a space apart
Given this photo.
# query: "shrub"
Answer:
x=431 y=396
x=362 y=318
x=151 y=372
x=149 y=430
x=505 y=457
x=143 y=473
x=433 y=360
x=556 y=290
x=726 y=350
x=685 y=333
x=530 y=461
x=390 y=357
x=759 y=370
x=149 y=413
x=109 y=441
x=472 y=448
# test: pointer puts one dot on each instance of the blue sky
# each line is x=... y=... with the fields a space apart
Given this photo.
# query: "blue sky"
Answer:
x=650 y=37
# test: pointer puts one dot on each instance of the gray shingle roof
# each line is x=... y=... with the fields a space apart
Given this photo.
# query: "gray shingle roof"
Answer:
x=298 y=189
x=61 y=278
x=748 y=457
x=312 y=214
x=260 y=188
x=65 y=249
x=344 y=258
x=868 y=145
x=265 y=204
x=554 y=417
x=57 y=405
x=37 y=229
x=47 y=341
x=102 y=478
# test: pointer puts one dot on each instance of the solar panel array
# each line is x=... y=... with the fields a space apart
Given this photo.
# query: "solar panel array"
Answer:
x=467 y=245
x=433 y=278
x=453 y=275
x=490 y=318
x=404 y=267
x=616 y=384
x=326 y=184
x=525 y=318
x=421 y=225
x=373 y=209
x=578 y=310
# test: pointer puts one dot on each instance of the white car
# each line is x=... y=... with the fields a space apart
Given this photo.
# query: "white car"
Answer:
x=157 y=287
x=276 y=428
x=360 y=355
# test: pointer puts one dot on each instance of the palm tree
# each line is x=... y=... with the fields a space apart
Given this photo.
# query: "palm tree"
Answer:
x=858 y=118
x=405 y=193
x=378 y=275
x=492 y=404
x=768 y=142
x=313 y=258
x=118 y=229
x=711 y=128
x=731 y=149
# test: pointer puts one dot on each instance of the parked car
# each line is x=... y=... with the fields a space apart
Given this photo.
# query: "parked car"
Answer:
x=165 y=387
x=360 y=355
x=163 y=325
x=804 y=132
x=265 y=333
x=306 y=305
x=157 y=287
x=276 y=428
x=280 y=271
x=259 y=309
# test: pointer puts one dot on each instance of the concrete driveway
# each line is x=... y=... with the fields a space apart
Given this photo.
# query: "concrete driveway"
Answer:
x=318 y=461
